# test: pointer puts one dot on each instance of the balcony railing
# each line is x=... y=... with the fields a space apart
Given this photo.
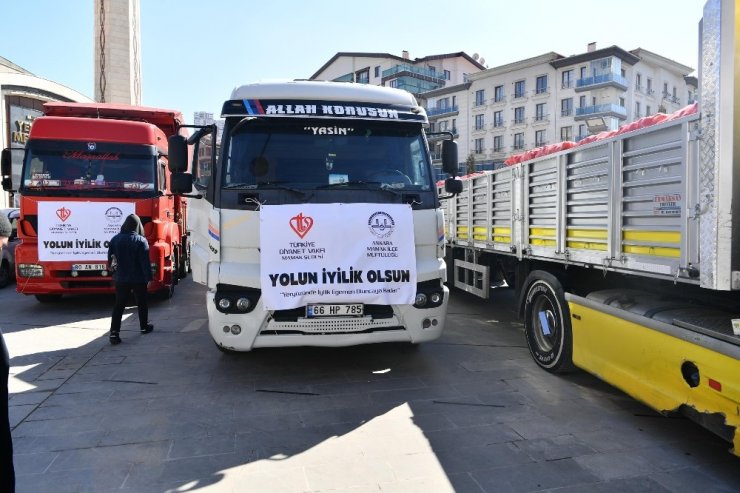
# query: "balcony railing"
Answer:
x=442 y=110
x=601 y=109
x=479 y=102
x=405 y=67
x=568 y=112
x=498 y=123
x=602 y=80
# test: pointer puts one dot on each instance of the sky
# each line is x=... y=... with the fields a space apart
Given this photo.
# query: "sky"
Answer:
x=195 y=52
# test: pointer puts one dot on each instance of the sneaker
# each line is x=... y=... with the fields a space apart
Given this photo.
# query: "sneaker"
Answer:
x=147 y=329
x=114 y=338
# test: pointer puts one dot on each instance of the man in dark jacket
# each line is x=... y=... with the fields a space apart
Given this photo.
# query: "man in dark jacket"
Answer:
x=128 y=256
x=7 y=472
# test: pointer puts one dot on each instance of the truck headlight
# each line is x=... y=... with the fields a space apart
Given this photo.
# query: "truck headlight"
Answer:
x=30 y=270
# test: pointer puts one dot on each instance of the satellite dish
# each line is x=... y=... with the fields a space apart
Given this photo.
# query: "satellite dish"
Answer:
x=475 y=56
x=482 y=61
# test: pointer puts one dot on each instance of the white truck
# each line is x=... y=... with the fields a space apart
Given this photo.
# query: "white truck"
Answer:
x=320 y=223
x=625 y=251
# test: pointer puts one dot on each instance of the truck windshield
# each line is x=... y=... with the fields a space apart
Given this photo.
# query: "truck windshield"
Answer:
x=311 y=154
x=56 y=168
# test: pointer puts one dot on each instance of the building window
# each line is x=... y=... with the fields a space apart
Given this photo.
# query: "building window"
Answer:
x=665 y=89
x=519 y=115
x=567 y=79
x=518 y=141
x=498 y=118
x=566 y=107
x=498 y=94
x=454 y=126
x=566 y=133
x=541 y=84
x=519 y=89
x=480 y=97
x=582 y=102
x=621 y=102
x=393 y=83
x=648 y=110
x=479 y=146
x=637 y=109
x=447 y=75
x=584 y=72
x=377 y=71
x=540 y=112
x=479 y=122
x=582 y=133
x=498 y=143
x=649 y=88
x=638 y=81
x=540 y=138
x=363 y=76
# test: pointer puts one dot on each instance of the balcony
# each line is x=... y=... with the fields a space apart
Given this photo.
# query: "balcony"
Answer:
x=598 y=81
x=520 y=95
x=518 y=122
x=601 y=110
x=444 y=110
x=498 y=124
x=422 y=73
x=480 y=102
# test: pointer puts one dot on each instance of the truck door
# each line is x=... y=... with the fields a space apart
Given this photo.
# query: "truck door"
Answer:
x=203 y=219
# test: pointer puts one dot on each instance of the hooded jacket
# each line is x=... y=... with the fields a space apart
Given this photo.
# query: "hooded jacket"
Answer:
x=131 y=251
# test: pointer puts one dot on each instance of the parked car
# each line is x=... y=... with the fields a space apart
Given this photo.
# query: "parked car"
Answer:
x=7 y=263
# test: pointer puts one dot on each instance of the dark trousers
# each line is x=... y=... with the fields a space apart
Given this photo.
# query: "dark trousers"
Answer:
x=7 y=474
x=123 y=289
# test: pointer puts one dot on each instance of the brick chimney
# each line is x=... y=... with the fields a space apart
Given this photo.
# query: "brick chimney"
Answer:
x=591 y=47
x=405 y=54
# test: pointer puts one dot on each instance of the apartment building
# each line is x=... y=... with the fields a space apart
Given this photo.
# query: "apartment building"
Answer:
x=551 y=98
x=384 y=69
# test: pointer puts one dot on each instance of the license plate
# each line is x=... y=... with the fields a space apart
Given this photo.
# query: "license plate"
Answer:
x=336 y=310
x=89 y=267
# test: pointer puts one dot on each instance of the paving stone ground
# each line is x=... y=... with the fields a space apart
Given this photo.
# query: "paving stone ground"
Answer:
x=470 y=412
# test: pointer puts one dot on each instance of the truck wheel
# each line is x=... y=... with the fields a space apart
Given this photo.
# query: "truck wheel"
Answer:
x=48 y=298
x=4 y=274
x=167 y=292
x=547 y=323
x=182 y=262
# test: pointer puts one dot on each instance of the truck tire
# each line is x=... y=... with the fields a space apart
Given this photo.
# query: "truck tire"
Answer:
x=547 y=323
x=182 y=261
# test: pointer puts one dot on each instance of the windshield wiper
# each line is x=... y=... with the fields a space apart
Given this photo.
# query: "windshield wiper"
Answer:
x=376 y=185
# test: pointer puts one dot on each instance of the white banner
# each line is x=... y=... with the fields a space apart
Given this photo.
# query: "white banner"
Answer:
x=336 y=253
x=79 y=231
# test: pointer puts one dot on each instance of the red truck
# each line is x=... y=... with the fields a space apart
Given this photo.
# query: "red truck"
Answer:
x=86 y=167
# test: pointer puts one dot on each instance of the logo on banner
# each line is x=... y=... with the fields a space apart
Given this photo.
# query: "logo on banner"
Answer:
x=114 y=215
x=301 y=224
x=91 y=146
x=381 y=224
x=63 y=213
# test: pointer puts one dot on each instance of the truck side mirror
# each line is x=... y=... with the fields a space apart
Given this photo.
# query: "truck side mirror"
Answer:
x=449 y=157
x=177 y=154
x=453 y=186
x=181 y=183
x=5 y=163
x=5 y=171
